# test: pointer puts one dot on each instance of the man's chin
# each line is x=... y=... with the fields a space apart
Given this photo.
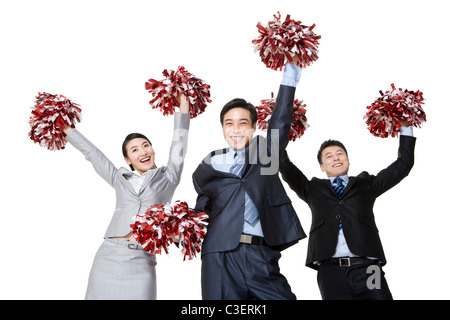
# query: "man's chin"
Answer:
x=236 y=146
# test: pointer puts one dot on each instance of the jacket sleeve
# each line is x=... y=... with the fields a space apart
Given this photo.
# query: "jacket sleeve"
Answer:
x=178 y=148
x=389 y=177
x=100 y=162
x=295 y=178
x=280 y=121
x=203 y=203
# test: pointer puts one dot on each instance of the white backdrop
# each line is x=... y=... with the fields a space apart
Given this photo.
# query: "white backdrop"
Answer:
x=54 y=207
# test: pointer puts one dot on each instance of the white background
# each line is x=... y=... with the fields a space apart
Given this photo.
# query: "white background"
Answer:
x=54 y=207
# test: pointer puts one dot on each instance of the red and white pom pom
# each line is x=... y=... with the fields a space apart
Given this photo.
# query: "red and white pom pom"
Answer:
x=299 y=124
x=165 y=92
x=385 y=115
x=153 y=229
x=50 y=114
x=190 y=227
x=279 y=41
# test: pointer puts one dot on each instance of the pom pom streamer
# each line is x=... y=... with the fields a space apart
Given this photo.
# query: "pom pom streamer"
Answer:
x=279 y=41
x=155 y=229
x=190 y=227
x=299 y=124
x=50 y=114
x=165 y=92
x=385 y=115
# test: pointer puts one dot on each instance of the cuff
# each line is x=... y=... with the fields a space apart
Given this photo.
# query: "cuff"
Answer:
x=406 y=131
x=182 y=120
x=291 y=75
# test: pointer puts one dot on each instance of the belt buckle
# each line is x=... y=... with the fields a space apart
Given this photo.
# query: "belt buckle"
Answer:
x=344 y=262
x=133 y=246
x=245 y=238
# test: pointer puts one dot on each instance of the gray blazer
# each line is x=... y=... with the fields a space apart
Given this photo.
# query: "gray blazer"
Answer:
x=159 y=184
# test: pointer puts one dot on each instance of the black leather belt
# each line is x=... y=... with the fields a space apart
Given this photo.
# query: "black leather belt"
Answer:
x=249 y=239
x=348 y=262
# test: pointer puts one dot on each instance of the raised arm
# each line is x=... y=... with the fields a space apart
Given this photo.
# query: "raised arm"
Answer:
x=184 y=103
x=282 y=117
x=178 y=148
x=294 y=177
x=100 y=162
x=399 y=169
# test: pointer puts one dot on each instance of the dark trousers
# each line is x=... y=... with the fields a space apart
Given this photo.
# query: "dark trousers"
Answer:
x=359 y=282
x=245 y=273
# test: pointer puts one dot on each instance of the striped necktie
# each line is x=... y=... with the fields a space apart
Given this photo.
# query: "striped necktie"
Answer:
x=236 y=168
x=338 y=186
x=250 y=213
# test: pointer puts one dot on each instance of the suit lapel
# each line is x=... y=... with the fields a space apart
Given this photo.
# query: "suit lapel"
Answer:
x=253 y=154
x=206 y=163
x=124 y=173
x=329 y=186
x=351 y=182
x=149 y=177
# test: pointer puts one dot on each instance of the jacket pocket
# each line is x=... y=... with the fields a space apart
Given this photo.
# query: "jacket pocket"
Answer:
x=278 y=200
x=367 y=221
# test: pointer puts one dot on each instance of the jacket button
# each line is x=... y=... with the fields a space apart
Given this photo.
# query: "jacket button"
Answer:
x=338 y=217
x=341 y=202
x=243 y=179
x=242 y=203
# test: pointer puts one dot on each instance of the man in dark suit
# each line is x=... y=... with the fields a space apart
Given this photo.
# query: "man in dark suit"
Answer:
x=344 y=245
x=251 y=218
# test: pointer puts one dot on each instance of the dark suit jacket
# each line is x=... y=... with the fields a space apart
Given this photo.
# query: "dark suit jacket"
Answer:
x=221 y=195
x=355 y=208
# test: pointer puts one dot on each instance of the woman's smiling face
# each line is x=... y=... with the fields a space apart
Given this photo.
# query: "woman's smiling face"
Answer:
x=140 y=155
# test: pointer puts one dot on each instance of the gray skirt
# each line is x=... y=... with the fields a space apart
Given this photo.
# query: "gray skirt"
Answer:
x=122 y=271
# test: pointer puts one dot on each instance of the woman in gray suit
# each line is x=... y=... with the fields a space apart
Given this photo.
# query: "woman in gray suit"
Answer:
x=121 y=268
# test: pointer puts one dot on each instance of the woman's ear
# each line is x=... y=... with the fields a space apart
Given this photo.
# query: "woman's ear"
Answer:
x=127 y=160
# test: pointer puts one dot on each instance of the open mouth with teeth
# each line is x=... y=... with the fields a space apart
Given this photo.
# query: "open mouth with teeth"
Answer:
x=146 y=160
x=237 y=139
x=337 y=165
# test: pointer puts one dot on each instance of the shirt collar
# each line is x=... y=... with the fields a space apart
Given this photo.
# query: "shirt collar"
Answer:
x=344 y=177
x=134 y=174
x=232 y=154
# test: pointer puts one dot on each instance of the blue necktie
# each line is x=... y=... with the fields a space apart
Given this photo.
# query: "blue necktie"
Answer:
x=338 y=186
x=236 y=167
x=250 y=213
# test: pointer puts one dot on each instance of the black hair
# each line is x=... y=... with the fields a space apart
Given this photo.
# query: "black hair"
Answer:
x=128 y=138
x=239 y=103
x=329 y=143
